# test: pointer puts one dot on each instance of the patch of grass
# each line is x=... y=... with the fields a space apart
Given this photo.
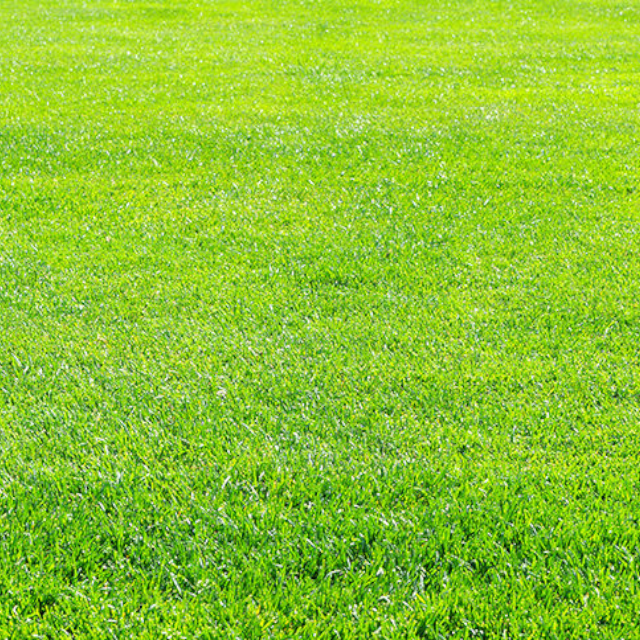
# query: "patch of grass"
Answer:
x=319 y=319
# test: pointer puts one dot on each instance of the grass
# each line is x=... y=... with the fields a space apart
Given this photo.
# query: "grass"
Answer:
x=319 y=320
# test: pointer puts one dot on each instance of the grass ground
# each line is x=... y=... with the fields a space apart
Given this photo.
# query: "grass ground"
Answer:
x=319 y=319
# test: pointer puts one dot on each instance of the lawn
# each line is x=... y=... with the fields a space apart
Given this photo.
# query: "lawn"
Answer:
x=319 y=319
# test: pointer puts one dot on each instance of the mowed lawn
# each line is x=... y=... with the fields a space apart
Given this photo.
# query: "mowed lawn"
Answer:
x=319 y=319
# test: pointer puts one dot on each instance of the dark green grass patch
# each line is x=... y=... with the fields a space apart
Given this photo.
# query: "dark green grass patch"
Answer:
x=319 y=320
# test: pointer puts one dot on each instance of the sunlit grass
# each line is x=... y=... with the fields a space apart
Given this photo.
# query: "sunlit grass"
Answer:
x=319 y=319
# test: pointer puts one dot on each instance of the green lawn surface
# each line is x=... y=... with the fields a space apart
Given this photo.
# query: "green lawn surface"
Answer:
x=319 y=319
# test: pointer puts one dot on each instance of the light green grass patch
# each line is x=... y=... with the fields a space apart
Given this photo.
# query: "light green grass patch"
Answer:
x=319 y=319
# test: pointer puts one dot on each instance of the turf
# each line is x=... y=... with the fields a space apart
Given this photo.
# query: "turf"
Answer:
x=319 y=319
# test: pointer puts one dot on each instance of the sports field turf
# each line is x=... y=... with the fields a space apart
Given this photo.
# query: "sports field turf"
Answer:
x=319 y=319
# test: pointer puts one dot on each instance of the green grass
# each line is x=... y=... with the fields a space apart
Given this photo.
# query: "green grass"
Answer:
x=319 y=319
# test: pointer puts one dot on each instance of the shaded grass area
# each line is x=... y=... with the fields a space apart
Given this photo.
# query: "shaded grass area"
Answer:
x=319 y=320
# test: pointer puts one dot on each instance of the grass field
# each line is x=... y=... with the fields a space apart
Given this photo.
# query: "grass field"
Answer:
x=319 y=319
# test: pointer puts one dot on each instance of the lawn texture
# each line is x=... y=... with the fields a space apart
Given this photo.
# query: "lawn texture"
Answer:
x=319 y=319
